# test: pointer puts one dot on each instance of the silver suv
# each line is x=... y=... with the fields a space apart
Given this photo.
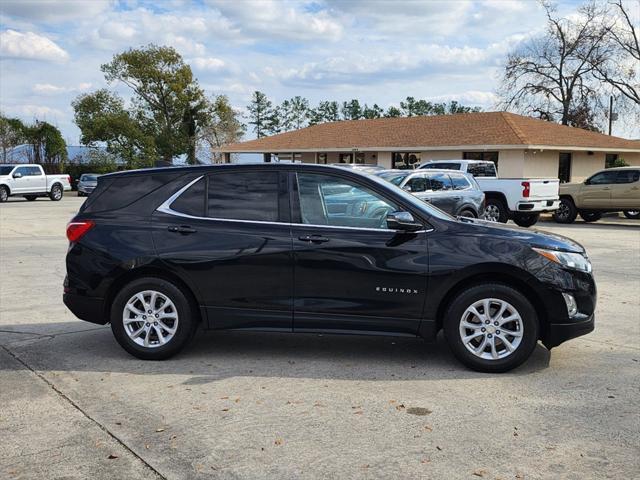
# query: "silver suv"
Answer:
x=456 y=193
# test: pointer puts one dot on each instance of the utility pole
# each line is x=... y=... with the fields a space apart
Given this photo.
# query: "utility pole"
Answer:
x=612 y=116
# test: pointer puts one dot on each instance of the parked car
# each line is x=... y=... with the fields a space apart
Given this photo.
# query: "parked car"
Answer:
x=31 y=182
x=521 y=199
x=610 y=190
x=456 y=193
x=87 y=183
x=257 y=247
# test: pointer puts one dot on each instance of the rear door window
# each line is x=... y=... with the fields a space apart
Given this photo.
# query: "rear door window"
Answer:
x=485 y=169
x=443 y=165
x=440 y=182
x=243 y=196
x=628 y=176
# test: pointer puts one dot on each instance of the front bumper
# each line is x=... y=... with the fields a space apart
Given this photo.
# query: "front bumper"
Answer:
x=538 y=206
x=89 y=309
x=558 y=333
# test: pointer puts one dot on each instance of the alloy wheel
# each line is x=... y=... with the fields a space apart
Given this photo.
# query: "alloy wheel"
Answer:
x=57 y=193
x=563 y=211
x=150 y=319
x=492 y=213
x=491 y=329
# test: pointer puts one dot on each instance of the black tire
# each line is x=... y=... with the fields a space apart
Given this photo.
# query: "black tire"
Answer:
x=4 y=194
x=526 y=220
x=467 y=213
x=496 y=211
x=30 y=198
x=456 y=312
x=566 y=212
x=632 y=214
x=80 y=194
x=591 y=216
x=56 y=193
x=187 y=315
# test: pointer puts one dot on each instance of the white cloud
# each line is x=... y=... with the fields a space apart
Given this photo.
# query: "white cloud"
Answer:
x=49 y=89
x=211 y=64
x=54 y=10
x=30 y=46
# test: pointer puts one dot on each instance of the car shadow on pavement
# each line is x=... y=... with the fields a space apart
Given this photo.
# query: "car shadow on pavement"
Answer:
x=216 y=355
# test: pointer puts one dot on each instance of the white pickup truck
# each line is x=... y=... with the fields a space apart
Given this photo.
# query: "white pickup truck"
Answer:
x=30 y=182
x=521 y=199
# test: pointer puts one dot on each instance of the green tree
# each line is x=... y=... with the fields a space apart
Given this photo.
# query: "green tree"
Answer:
x=223 y=128
x=168 y=103
x=351 y=110
x=372 y=112
x=11 y=134
x=294 y=113
x=408 y=107
x=102 y=118
x=46 y=146
x=326 y=111
x=274 y=122
x=393 y=112
x=260 y=111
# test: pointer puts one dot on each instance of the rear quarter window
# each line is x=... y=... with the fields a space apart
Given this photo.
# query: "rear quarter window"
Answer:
x=118 y=192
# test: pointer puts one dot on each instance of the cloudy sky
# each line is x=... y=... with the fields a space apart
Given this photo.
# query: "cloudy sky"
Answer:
x=51 y=51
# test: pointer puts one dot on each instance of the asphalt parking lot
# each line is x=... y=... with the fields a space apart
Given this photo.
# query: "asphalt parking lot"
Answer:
x=73 y=404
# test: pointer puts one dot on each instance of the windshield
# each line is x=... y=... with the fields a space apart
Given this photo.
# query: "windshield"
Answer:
x=393 y=177
x=5 y=169
x=88 y=178
x=413 y=200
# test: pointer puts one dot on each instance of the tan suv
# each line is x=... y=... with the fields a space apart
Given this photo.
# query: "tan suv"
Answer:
x=610 y=190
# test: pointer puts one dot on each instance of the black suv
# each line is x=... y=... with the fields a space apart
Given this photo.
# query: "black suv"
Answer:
x=307 y=248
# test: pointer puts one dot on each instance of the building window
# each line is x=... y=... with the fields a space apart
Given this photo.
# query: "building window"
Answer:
x=405 y=160
x=487 y=156
x=564 y=167
x=610 y=160
x=345 y=158
x=322 y=158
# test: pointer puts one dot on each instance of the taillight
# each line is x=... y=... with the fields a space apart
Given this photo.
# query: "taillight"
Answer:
x=69 y=179
x=525 y=189
x=76 y=230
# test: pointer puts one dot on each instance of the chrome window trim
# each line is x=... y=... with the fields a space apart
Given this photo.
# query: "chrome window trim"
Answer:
x=166 y=208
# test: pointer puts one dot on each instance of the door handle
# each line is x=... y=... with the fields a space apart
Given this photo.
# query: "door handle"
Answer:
x=183 y=229
x=313 y=238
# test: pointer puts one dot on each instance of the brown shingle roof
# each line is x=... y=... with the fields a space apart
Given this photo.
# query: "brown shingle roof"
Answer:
x=485 y=128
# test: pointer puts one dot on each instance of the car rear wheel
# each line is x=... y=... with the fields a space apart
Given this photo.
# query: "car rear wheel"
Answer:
x=56 y=193
x=526 y=220
x=152 y=319
x=4 y=194
x=566 y=212
x=590 y=216
x=496 y=211
x=632 y=214
x=491 y=328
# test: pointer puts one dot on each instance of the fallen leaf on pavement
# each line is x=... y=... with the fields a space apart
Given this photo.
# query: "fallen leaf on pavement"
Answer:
x=479 y=473
x=112 y=457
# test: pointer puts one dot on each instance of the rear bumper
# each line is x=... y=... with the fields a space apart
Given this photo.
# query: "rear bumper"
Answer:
x=538 y=206
x=558 y=333
x=89 y=309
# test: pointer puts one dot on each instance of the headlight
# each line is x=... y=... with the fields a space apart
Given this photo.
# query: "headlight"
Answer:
x=576 y=261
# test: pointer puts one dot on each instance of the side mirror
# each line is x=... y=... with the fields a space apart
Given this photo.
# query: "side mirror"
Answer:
x=17 y=175
x=407 y=188
x=403 y=221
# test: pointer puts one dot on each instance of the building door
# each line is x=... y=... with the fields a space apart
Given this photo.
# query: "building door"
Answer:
x=564 y=167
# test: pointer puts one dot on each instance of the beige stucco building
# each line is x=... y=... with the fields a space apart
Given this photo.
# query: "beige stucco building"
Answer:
x=521 y=146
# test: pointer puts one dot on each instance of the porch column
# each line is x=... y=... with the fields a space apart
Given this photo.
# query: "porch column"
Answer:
x=266 y=157
x=227 y=157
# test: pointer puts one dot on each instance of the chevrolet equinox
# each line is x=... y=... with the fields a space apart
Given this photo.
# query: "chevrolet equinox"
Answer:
x=308 y=248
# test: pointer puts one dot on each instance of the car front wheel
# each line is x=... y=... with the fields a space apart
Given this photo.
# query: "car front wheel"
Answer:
x=4 y=194
x=491 y=328
x=152 y=319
